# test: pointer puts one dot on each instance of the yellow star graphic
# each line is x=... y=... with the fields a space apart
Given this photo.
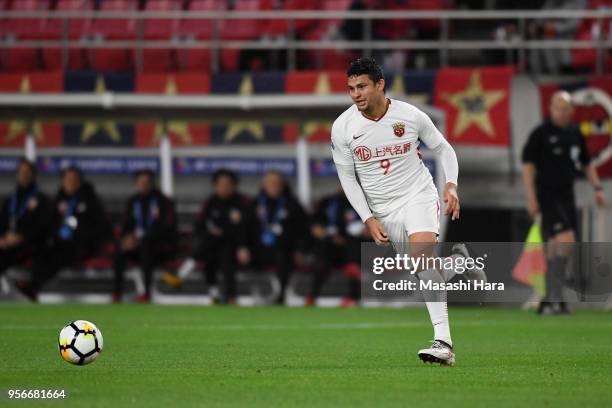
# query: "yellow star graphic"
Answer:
x=235 y=128
x=178 y=128
x=92 y=127
x=17 y=128
x=473 y=105
x=322 y=87
x=255 y=128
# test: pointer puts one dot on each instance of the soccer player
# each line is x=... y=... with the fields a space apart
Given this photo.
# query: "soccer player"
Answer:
x=375 y=149
x=552 y=156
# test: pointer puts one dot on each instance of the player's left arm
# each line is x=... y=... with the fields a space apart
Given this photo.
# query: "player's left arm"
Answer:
x=434 y=140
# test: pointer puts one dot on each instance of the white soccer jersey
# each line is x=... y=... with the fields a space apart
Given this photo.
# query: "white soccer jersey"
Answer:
x=385 y=154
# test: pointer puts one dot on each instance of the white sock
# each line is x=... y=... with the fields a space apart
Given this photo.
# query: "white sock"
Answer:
x=437 y=307
x=186 y=268
x=438 y=313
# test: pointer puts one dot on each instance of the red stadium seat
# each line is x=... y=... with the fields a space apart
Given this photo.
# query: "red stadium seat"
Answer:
x=328 y=59
x=114 y=59
x=240 y=30
x=243 y=29
x=77 y=28
x=325 y=25
x=114 y=28
x=20 y=59
x=161 y=28
x=160 y=60
x=586 y=58
x=27 y=28
x=276 y=27
x=198 y=29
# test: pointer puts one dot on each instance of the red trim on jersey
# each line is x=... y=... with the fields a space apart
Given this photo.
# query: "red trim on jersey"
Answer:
x=382 y=116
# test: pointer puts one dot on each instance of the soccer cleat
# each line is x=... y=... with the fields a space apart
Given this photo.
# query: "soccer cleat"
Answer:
x=310 y=301
x=215 y=295
x=348 y=302
x=27 y=289
x=440 y=352
x=474 y=274
x=171 y=279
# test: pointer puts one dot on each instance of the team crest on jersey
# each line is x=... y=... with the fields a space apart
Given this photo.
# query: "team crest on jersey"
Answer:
x=398 y=129
x=363 y=153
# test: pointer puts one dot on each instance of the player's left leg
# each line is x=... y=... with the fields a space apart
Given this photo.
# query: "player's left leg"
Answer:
x=441 y=350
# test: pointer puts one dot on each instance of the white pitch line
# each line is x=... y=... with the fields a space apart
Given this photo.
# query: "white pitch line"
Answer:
x=195 y=326
x=323 y=326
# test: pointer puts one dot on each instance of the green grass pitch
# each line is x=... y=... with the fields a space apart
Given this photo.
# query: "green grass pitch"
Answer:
x=229 y=356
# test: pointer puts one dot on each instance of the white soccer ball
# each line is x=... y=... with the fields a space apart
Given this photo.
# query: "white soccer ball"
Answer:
x=80 y=342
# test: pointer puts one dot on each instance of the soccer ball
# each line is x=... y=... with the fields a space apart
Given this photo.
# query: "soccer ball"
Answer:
x=80 y=342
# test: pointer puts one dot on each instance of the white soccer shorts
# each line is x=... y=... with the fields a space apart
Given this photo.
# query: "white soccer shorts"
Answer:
x=420 y=215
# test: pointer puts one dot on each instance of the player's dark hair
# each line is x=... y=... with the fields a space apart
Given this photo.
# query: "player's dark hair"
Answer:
x=366 y=66
x=145 y=172
x=286 y=187
x=224 y=173
x=72 y=169
x=32 y=166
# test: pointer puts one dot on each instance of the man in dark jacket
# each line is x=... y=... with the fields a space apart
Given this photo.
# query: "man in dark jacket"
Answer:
x=23 y=219
x=337 y=233
x=78 y=227
x=222 y=237
x=148 y=233
x=283 y=228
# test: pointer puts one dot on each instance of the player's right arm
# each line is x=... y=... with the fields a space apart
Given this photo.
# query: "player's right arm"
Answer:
x=530 y=157
x=345 y=167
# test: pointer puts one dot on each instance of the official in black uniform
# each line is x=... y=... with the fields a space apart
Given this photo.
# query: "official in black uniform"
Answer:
x=148 y=233
x=337 y=233
x=283 y=229
x=554 y=155
x=24 y=219
x=78 y=228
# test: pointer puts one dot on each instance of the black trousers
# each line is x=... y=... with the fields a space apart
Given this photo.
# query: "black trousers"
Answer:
x=14 y=256
x=279 y=258
x=55 y=257
x=219 y=258
x=328 y=255
x=147 y=256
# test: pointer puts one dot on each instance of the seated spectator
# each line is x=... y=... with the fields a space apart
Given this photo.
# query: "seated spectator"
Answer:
x=337 y=231
x=78 y=227
x=148 y=233
x=282 y=228
x=222 y=237
x=23 y=219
